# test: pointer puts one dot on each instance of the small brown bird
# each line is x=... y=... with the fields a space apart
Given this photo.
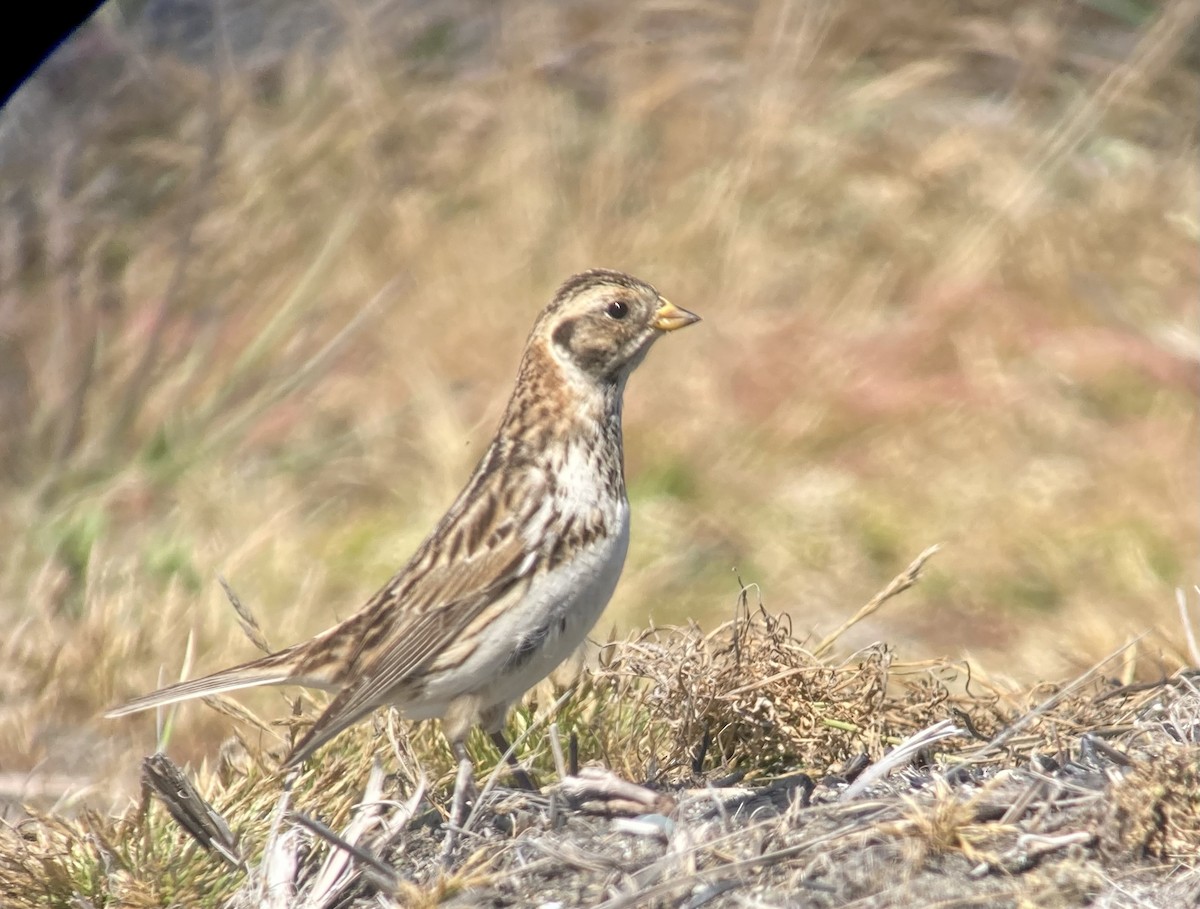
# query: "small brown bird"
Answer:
x=517 y=572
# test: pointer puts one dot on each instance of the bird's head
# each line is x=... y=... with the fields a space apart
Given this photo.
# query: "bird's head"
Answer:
x=601 y=324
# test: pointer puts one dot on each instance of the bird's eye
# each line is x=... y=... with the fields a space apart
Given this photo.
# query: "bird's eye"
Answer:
x=617 y=309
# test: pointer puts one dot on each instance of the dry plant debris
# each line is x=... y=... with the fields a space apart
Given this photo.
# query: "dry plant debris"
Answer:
x=1082 y=794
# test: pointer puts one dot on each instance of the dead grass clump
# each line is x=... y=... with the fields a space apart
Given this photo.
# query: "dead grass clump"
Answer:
x=1155 y=811
x=750 y=694
x=1156 y=807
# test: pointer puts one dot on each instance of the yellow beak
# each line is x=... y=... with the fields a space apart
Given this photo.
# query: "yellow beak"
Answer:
x=669 y=317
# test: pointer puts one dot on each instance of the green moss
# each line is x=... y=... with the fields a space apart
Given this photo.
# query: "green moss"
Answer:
x=1153 y=548
x=72 y=540
x=77 y=535
x=1030 y=588
x=881 y=540
x=1119 y=395
x=158 y=456
x=938 y=586
x=362 y=543
x=672 y=479
x=1130 y=12
x=1162 y=555
x=434 y=42
x=167 y=559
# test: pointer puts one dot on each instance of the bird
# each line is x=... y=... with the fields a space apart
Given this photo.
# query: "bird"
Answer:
x=514 y=576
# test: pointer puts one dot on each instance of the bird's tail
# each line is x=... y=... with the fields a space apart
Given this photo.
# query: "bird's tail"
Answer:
x=282 y=668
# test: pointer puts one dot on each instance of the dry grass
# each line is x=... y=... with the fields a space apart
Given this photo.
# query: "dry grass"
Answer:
x=1070 y=795
x=259 y=311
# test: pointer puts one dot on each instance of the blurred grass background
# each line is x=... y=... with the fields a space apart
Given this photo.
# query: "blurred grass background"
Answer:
x=266 y=270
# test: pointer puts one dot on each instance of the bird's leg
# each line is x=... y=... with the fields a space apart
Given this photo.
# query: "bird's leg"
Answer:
x=464 y=786
x=524 y=781
x=460 y=752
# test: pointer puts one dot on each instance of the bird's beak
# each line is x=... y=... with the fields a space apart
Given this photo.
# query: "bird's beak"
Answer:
x=669 y=317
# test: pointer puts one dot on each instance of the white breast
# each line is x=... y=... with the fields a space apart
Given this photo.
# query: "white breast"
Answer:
x=563 y=605
x=545 y=625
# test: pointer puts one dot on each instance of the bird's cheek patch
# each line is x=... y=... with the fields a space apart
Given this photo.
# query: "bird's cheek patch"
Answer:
x=590 y=354
x=595 y=360
x=563 y=334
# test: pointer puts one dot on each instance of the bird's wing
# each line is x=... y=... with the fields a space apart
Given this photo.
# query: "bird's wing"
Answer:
x=445 y=588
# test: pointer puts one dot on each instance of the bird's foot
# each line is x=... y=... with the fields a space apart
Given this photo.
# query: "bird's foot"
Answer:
x=519 y=774
x=464 y=792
